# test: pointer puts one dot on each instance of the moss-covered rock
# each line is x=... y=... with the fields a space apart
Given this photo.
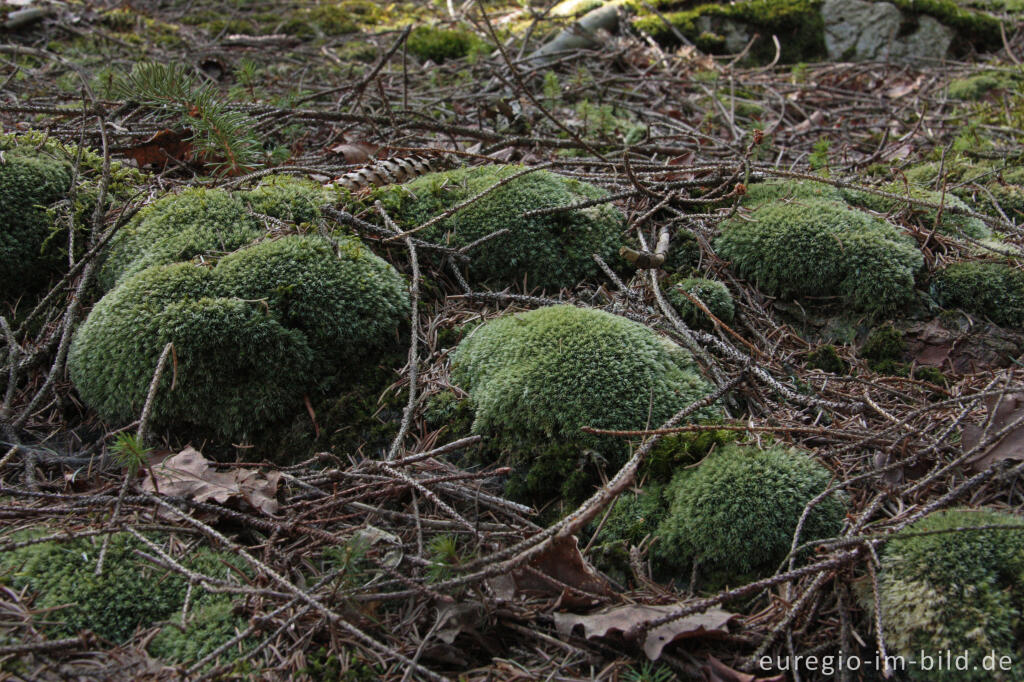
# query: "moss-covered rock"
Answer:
x=537 y=377
x=130 y=592
x=737 y=511
x=993 y=290
x=818 y=247
x=712 y=293
x=952 y=590
x=952 y=224
x=550 y=250
x=439 y=44
x=251 y=335
x=205 y=222
x=725 y=27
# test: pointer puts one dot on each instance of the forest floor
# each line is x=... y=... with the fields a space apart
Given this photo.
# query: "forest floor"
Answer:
x=356 y=567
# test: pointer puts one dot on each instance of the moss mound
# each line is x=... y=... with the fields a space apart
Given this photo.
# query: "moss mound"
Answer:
x=817 y=247
x=952 y=591
x=205 y=222
x=950 y=223
x=994 y=290
x=780 y=190
x=711 y=292
x=207 y=628
x=535 y=378
x=550 y=250
x=977 y=86
x=36 y=173
x=28 y=185
x=130 y=593
x=736 y=512
x=251 y=335
x=440 y=45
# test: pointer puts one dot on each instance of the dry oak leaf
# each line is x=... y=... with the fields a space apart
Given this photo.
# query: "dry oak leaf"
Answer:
x=1011 y=445
x=189 y=474
x=622 y=619
x=161 y=148
x=559 y=565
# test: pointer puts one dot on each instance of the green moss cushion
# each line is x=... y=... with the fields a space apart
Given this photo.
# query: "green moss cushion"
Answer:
x=537 y=377
x=205 y=222
x=130 y=592
x=993 y=290
x=712 y=294
x=949 y=223
x=207 y=628
x=550 y=251
x=818 y=247
x=28 y=185
x=956 y=591
x=736 y=512
x=251 y=335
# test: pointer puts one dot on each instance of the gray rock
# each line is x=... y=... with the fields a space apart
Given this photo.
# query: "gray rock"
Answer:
x=860 y=30
x=736 y=34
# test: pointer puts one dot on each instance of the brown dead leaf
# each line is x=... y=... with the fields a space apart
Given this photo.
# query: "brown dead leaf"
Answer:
x=716 y=671
x=355 y=152
x=189 y=474
x=1010 y=446
x=566 y=566
x=161 y=148
x=904 y=88
x=621 y=619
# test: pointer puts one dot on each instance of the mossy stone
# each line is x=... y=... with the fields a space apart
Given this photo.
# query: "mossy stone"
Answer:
x=956 y=590
x=819 y=247
x=536 y=378
x=549 y=251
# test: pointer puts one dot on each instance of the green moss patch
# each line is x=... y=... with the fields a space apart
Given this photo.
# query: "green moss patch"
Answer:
x=554 y=250
x=949 y=223
x=818 y=247
x=205 y=222
x=251 y=335
x=440 y=45
x=993 y=290
x=207 y=627
x=737 y=511
x=711 y=293
x=130 y=592
x=797 y=23
x=955 y=590
x=535 y=378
